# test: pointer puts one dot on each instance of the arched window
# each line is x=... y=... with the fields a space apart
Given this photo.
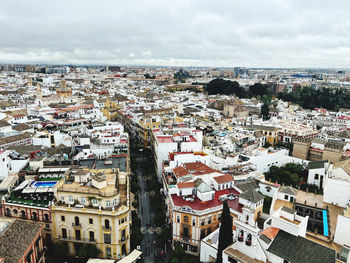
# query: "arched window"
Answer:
x=240 y=235
x=107 y=226
x=15 y=212
x=34 y=216
x=46 y=217
x=8 y=212
x=248 y=241
x=76 y=221
x=23 y=214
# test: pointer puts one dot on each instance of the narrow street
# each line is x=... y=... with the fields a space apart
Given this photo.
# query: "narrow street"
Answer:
x=148 y=247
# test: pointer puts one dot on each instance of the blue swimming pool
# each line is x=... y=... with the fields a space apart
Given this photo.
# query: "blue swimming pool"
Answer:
x=44 y=184
x=325 y=223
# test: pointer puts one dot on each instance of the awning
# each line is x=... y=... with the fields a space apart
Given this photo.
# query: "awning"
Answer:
x=132 y=257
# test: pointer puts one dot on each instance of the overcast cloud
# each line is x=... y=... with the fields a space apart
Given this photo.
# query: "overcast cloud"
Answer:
x=252 y=33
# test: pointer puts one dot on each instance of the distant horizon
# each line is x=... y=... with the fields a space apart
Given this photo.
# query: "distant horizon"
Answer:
x=289 y=34
x=167 y=66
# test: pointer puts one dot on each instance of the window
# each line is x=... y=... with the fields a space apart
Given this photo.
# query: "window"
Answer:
x=178 y=219
x=107 y=238
x=193 y=222
x=185 y=232
x=64 y=233
x=202 y=234
x=91 y=235
x=76 y=221
x=63 y=218
x=286 y=197
x=185 y=219
x=71 y=199
x=108 y=252
x=219 y=217
x=208 y=230
x=94 y=201
x=77 y=235
x=122 y=220
x=46 y=217
x=82 y=200
x=107 y=226
x=108 y=203
x=209 y=220
x=91 y=221
x=34 y=216
x=316 y=176
x=202 y=222
x=114 y=202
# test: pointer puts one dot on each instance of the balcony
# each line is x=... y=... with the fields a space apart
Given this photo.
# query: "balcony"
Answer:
x=123 y=239
x=185 y=238
x=76 y=225
x=82 y=240
x=107 y=228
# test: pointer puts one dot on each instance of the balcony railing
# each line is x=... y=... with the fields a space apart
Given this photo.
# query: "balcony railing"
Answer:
x=76 y=225
x=70 y=238
x=123 y=239
x=106 y=228
x=185 y=237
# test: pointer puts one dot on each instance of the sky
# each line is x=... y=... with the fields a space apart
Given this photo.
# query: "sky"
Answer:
x=211 y=33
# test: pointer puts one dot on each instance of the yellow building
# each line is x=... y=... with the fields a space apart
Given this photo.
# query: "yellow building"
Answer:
x=63 y=91
x=93 y=207
x=145 y=128
x=271 y=133
x=110 y=109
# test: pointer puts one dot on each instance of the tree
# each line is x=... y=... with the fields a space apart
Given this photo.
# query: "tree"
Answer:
x=226 y=87
x=88 y=251
x=265 y=111
x=225 y=232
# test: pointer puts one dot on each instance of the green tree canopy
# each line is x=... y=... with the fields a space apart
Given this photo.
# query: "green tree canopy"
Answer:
x=225 y=87
x=265 y=111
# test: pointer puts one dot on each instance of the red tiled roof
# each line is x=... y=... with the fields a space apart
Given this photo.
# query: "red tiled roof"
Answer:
x=185 y=185
x=223 y=179
x=199 y=168
x=270 y=232
x=192 y=139
x=197 y=204
x=165 y=139
x=180 y=171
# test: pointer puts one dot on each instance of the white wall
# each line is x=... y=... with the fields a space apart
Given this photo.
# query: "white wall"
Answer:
x=4 y=164
x=342 y=232
x=337 y=192
x=311 y=176
x=206 y=252
x=263 y=190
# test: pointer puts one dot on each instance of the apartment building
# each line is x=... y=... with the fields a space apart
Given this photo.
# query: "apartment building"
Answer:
x=93 y=207
x=174 y=139
x=194 y=200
